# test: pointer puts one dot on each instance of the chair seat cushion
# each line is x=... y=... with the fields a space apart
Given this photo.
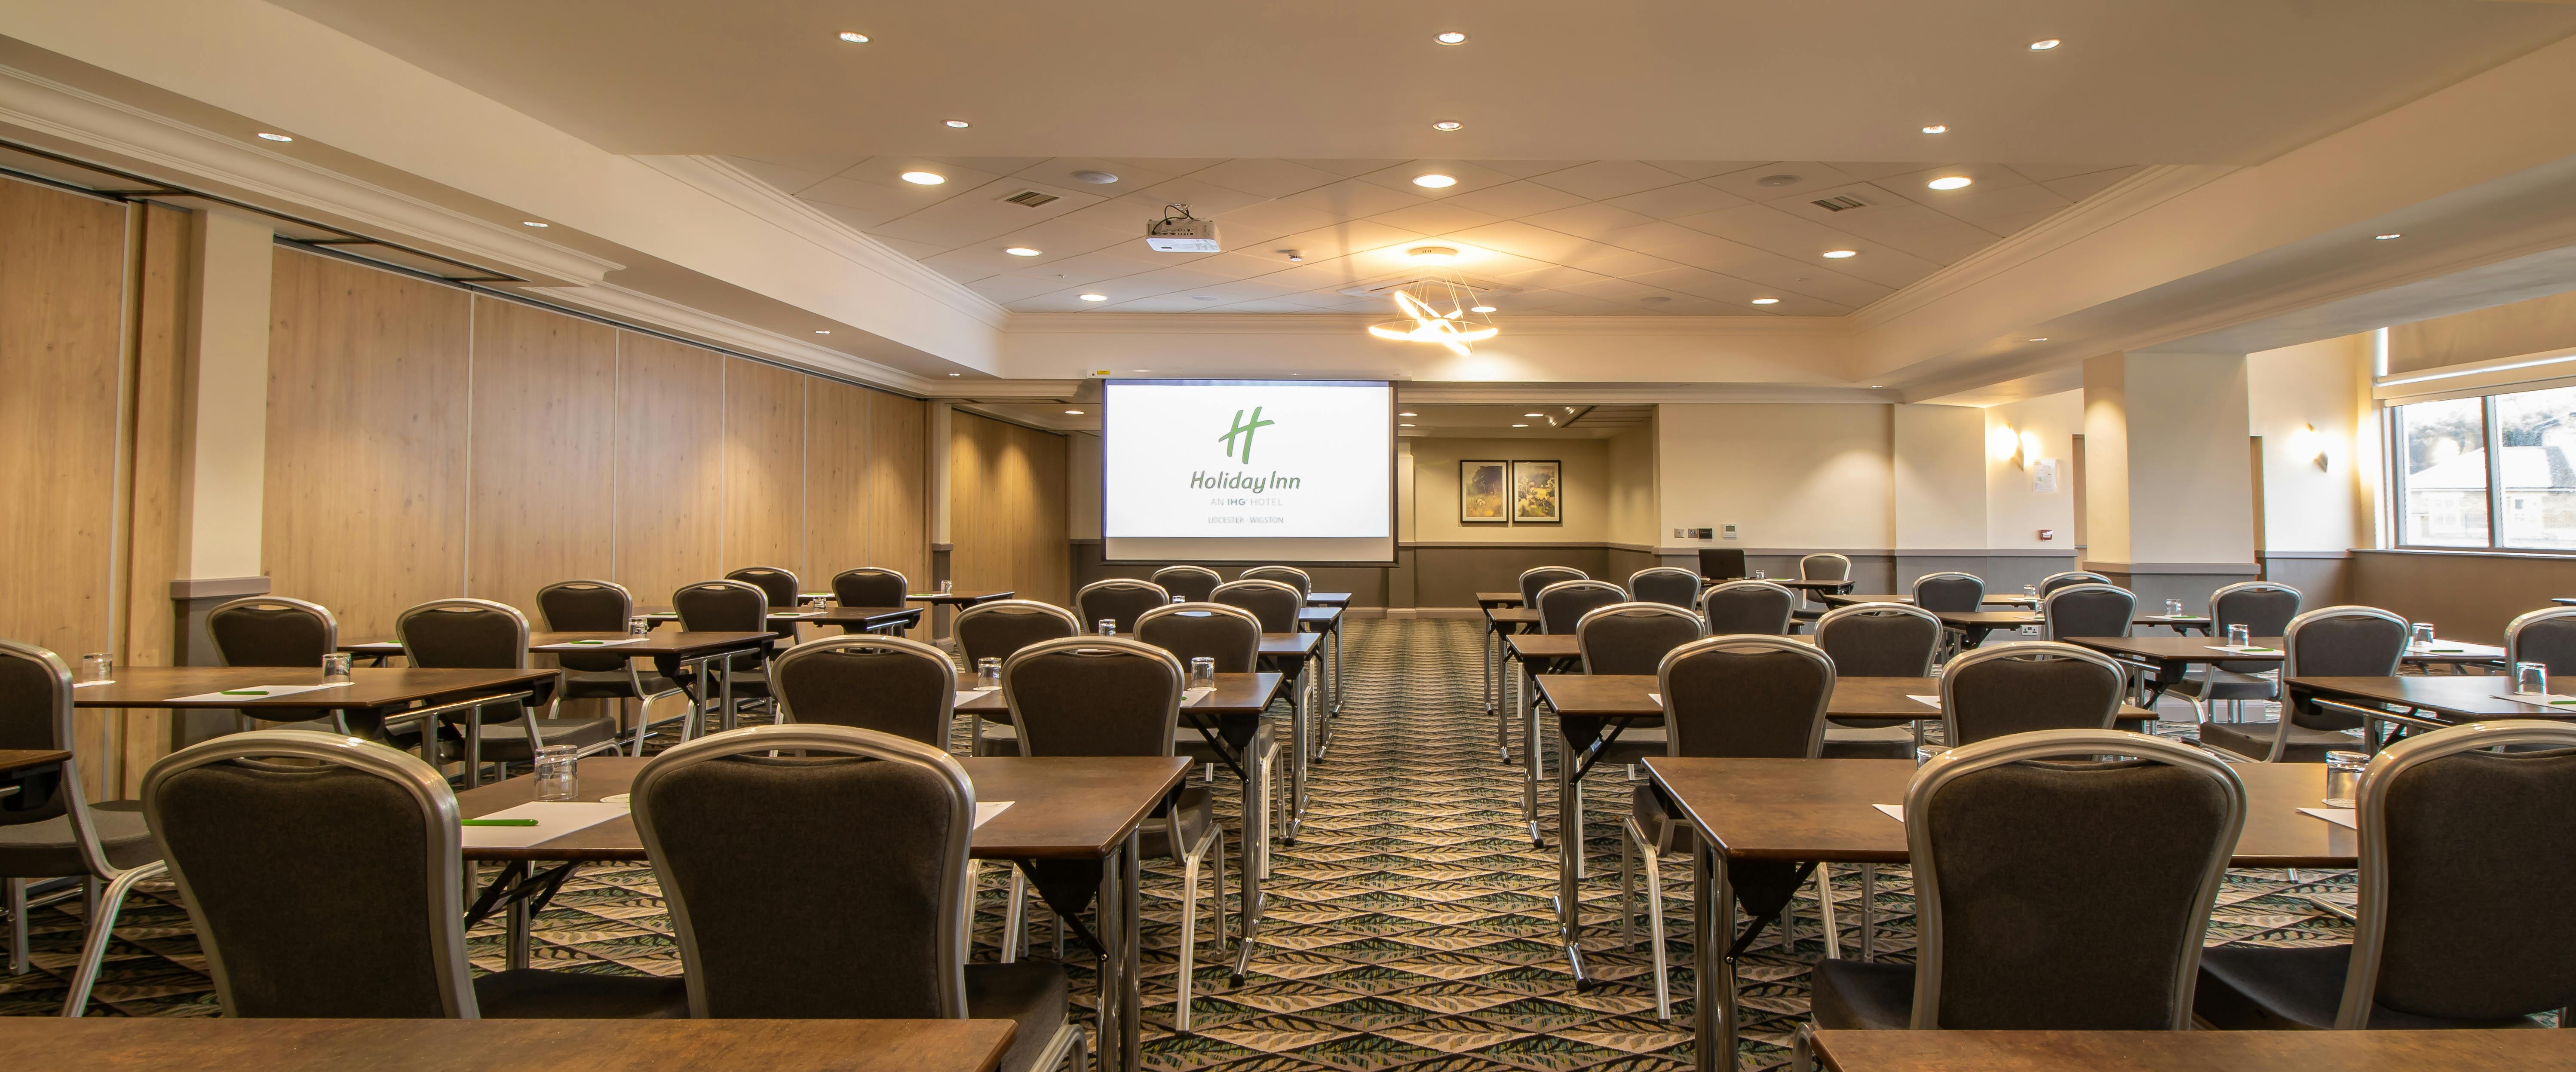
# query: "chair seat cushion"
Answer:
x=507 y=742
x=2254 y=740
x=2225 y=685
x=610 y=684
x=1862 y=995
x=46 y=849
x=1647 y=807
x=1031 y=994
x=1197 y=808
x=2274 y=988
x=1881 y=742
x=533 y=994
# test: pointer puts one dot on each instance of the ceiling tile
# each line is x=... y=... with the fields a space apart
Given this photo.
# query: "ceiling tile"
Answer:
x=872 y=198
x=1167 y=280
x=859 y=218
x=1470 y=177
x=888 y=171
x=916 y=250
x=1555 y=277
x=1008 y=289
x=817 y=163
x=1625 y=264
x=1653 y=236
x=1093 y=267
x=1864 y=172
x=1678 y=199
x=1436 y=217
x=2054 y=172
x=1522 y=169
x=1264 y=306
x=1065 y=237
x=1059 y=172
x=1266 y=178
x=1602 y=179
x=1126 y=213
x=1702 y=169
x=1981 y=202
x=1527 y=240
x=1278 y=218
x=1175 y=166
x=1354 y=199
x=2079 y=187
x=982 y=214
x=990 y=165
x=1827 y=286
x=1245 y=290
x=1767 y=228
x=1809 y=175
x=1327 y=243
x=2011 y=223
x=782 y=176
x=1591 y=221
x=1584 y=305
x=1347 y=168
x=1205 y=200
x=976 y=262
x=1240 y=265
x=1516 y=199
x=1702 y=283
x=946 y=236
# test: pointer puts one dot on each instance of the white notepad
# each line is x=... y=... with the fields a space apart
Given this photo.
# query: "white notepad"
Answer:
x=2244 y=649
x=256 y=692
x=603 y=643
x=2541 y=699
x=86 y=684
x=1892 y=811
x=555 y=818
x=1191 y=697
x=985 y=810
x=1933 y=702
x=2346 y=818
x=1657 y=697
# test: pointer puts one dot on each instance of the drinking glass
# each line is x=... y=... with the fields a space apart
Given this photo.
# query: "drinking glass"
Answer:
x=1926 y=753
x=2030 y=590
x=2173 y=608
x=2532 y=678
x=97 y=666
x=335 y=666
x=816 y=603
x=988 y=674
x=638 y=625
x=1760 y=576
x=1202 y=673
x=2343 y=772
x=1106 y=626
x=559 y=772
x=2239 y=636
x=2423 y=634
x=946 y=587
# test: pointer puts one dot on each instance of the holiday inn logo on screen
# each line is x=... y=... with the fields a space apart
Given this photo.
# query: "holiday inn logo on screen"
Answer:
x=1238 y=447
x=1243 y=428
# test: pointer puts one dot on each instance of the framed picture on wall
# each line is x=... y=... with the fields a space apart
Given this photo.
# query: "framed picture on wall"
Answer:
x=1483 y=492
x=1538 y=493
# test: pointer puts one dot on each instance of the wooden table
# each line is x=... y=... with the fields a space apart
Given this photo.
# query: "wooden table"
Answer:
x=670 y=650
x=1328 y=621
x=1822 y=811
x=1502 y=620
x=205 y=1044
x=372 y=698
x=952 y=602
x=2193 y=1051
x=2173 y=656
x=1845 y=599
x=1328 y=599
x=1085 y=808
x=21 y=768
x=2419 y=702
x=1983 y=621
x=1490 y=600
x=785 y=619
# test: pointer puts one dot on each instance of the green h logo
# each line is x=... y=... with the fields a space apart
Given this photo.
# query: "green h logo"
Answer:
x=1244 y=428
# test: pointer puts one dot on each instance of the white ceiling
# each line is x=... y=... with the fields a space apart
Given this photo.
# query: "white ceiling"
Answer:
x=1570 y=237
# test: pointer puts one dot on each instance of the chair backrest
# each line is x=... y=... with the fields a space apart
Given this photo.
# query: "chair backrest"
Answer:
x=1287 y=575
x=870 y=586
x=2340 y=642
x=2264 y=608
x=1276 y=603
x=2048 y=898
x=2446 y=827
x=1538 y=577
x=1632 y=638
x=1665 y=584
x=856 y=908
x=474 y=634
x=1957 y=593
x=274 y=631
x=36 y=715
x=1880 y=639
x=2088 y=610
x=2055 y=581
x=1001 y=627
x=776 y=585
x=1229 y=635
x=726 y=606
x=586 y=607
x=872 y=682
x=1564 y=603
x=1192 y=583
x=1745 y=697
x=1119 y=600
x=1824 y=566
x=2005 y=689
x=2547 y=637
x=1094 y=696
x=1758 y=607
x=328 y=886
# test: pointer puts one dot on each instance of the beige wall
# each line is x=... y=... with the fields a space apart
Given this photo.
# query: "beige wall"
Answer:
x=1586 y=477
x=2014 y=512
x=1632 y=488
x=1789 y=475
x=1939 y=476
x=2524 y=327
x=2326 y=385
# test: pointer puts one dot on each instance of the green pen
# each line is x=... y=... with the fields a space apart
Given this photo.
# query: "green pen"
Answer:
x=496 y=822
x=244 y=692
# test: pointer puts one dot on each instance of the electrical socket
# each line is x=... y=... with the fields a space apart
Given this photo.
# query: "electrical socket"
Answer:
x=2030 y=630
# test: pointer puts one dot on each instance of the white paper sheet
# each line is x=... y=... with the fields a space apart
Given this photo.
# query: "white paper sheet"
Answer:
x=971 y=696
x=2542 y=699
x=265 y=691
x=1657 y=697
x=1933 y=702
x=1191 y=697
x=603 y=643
x=1892 y=811
x=985 y=810
x=2244 y=649
x=86 y=684
x=2346 y=818
x=795 y=614
x=555 y=818
x=2435 y=649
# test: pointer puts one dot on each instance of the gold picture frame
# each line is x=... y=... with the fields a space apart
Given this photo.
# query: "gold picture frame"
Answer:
x=1538 y=493
x=1484 y=492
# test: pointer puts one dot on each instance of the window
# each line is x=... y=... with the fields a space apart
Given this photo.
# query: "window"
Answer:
x=2487 y=472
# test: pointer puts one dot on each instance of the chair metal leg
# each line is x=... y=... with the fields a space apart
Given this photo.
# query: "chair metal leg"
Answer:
x=1655 y=936
x=1627 y=885
x=1868 y=909
x=17 y=926
x=1014 y=904
x=1802 y=1049
x=1189 y=937
x=102 y=928
x=1825 y=911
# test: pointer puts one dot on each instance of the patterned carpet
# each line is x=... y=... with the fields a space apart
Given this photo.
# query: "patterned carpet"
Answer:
x=1410 y=927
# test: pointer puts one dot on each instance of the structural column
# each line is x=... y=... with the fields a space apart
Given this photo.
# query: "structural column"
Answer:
x=223 y=425
x=2169 y=493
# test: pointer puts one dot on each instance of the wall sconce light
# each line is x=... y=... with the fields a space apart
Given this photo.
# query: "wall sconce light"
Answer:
x=2309 y=445
x=2004 y=445
x=2029 y=447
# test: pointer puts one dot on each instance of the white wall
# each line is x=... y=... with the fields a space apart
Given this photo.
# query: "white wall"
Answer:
x=1585 y=481
x=2325 y=384
x=2014 y=512
x=1632 y=490
x=1789 y=475
x=1939 y=477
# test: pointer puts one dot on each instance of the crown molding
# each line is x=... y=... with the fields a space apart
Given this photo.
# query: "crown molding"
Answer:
x=611 y=300
x=191 y=156
x=740 y=189
x=1457 y=393
x=1106 y=323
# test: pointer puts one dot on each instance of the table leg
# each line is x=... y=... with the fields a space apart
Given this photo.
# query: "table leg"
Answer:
x=1569 y=848
x=1525 y=711
x=1256 y=860
x=1108 y=1011
x=514 y=933
x=1713 y=980
x=1297 y=708
x=1131 y=996
x=1337 y=666
x=1485 y=651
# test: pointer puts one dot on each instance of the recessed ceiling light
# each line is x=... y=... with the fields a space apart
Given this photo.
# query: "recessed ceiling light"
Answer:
x=1095 y=297
x=1022 y=251
x=924 y=178
x=1766 y=301
x=1435 y=182
x=534 y=223
x=958 y=124
x=1776 y=181
x=1936 y=128
x=2386 y=237
x=2045 y=45
x=1447 y=124
x=2042 y=338
x=1404 y=426
x=1096 y=178
x=1533 y=415
x=267 y=135
x=1520 y=426
x=1838 y=254
x=1432 y=254
x=820 y=331
x=1073 y=413
x=1950 y=182
x=956 y=373
x=1482 y=309
x=854 y=37
x=1450 y=37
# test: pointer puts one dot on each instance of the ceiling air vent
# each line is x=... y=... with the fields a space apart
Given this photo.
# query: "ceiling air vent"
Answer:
x=1839 y=204
x=1031 y=198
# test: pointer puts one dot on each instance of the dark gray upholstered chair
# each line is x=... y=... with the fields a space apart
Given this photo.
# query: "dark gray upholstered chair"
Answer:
x=2456 y=826
x=777 y=586
x=1951 y=592
x=600 y=607
x=2326 y=642
x=1564 y=603
x=2041 y=899
x=2023 y=688
x=329 y=886
x=53 y=831
x=1824 y=566
x=2547 y=637
x=1116 y=696
x=1291 y=576
x=997 y=630
x=870 y=586
x=2087 y=610
x=729 y=606
x=2264 y=609
x=1537 y=577
x=1757 y=607
x=480 y=634
x=877 y=920
x=2055 y=581
x=1665 y=584
x=1276 y=603
x=1191 y=583
x=1632 y=638
x=1231 y=636
x=1736 y=697
x=1877 y=640
x=1119 y=600
x=881 y=683
x=277 y=631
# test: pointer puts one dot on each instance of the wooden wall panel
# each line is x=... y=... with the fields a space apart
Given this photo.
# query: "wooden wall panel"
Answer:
x=764 y=467
x=1007 y=509
x=160 y=390
x=897 y=521
x=864 y=469
x=366 y=469
x=62 y=287
x=669 y=472
x=544 y=442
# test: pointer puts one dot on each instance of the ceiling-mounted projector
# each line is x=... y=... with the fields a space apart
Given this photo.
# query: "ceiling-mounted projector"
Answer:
x=1181 y=232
